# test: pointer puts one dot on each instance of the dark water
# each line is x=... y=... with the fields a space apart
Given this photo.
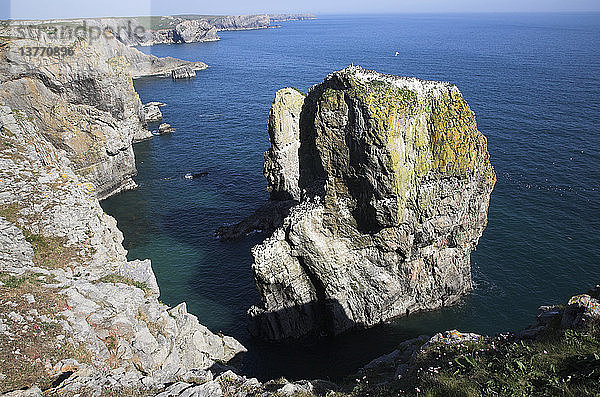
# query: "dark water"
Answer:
x=533 y=81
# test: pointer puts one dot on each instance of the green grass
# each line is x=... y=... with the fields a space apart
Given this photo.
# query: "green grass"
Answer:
x=115 y=279
x=21 y=355
x=560 y=363
x=50 y=252
x=12 y=281
x=10 y=212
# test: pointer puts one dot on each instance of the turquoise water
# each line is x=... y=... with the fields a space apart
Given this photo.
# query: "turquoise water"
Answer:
x=533 y=81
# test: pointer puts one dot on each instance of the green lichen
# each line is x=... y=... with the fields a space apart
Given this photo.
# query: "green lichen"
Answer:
x=427 y=136
x=456 y=144
x=389 y=108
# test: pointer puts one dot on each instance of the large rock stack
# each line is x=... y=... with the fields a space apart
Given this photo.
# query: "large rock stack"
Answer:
x=391 y=182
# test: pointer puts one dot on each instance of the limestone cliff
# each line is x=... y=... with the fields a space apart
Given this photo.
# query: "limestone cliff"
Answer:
x=151 y=30
x=84 y=103
x=241 y=22
x=281 y=161
x=291 y=17
x=58 y=245
x=393 y=181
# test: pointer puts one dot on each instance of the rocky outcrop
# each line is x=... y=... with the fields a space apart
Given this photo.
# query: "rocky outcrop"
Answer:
x=282 y=168
x=105 y=324
x=291 y=17
x=193 y=31
x=241 y=22
x=84 y=103
x=551 y=321
x=145 y=31
x=165 y=128
x=184 y=72
x=394 y=182
x=152 y=113
x=177 y=29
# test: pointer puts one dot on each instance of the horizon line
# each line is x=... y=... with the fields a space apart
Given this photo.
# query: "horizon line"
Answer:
x=316 y=14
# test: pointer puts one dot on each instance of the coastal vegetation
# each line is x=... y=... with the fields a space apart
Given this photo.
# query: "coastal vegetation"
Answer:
x=561 y=362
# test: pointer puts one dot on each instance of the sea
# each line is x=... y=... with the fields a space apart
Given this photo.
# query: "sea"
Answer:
x=533 y=81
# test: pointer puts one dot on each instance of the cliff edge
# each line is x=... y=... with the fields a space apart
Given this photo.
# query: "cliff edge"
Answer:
x=83 y=102
x=71 y=302
x=389 y=182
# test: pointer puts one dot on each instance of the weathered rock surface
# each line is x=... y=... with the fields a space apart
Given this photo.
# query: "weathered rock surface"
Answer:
x=394 y=182
x=241 y=22
x=111 y=308
x=165 y=128
x=291 y=17
x=579 y=310
x=152 y=113
x=146 y=31
x=178 y=29
x=395 y=365
x=267 y=218
x=85 y=104
x=184 y=72
x=192 y=31
x=282 y=168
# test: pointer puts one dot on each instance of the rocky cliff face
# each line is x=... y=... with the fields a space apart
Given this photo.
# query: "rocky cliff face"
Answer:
x=291 y=17
x=281 y=161
x=393 y=181
x=147 y=31
x=84 y=103
x=62 y=265
x=167 y=29
x=241 y=22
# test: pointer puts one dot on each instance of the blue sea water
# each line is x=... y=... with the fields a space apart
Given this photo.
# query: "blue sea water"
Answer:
x=533 y=80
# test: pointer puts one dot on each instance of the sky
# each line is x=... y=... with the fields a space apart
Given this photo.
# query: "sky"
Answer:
x=47 y=9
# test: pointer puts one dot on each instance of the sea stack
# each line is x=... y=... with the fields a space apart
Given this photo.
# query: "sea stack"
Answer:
x=391 y=182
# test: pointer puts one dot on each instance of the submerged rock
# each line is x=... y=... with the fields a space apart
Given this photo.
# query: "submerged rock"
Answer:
x=195 y=175
x=393 y=182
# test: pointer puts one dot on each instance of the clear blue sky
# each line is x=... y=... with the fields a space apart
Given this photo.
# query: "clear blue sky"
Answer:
x=43 y=9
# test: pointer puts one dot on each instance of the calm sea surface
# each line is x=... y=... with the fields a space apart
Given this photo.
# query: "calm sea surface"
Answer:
x=533 y=81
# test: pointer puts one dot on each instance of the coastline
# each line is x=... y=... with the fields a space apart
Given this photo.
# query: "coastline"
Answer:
x=124 y=283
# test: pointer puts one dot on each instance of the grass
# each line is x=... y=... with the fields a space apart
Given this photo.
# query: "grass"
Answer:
x=12 y=281
x=10 y=212
x=116 y=392
x=50 y=252
x=32 y=343
x=155 y=328
x=561 y=363
x=115 y=279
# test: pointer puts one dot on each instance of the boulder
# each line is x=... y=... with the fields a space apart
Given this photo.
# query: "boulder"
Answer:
x=579 y=311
